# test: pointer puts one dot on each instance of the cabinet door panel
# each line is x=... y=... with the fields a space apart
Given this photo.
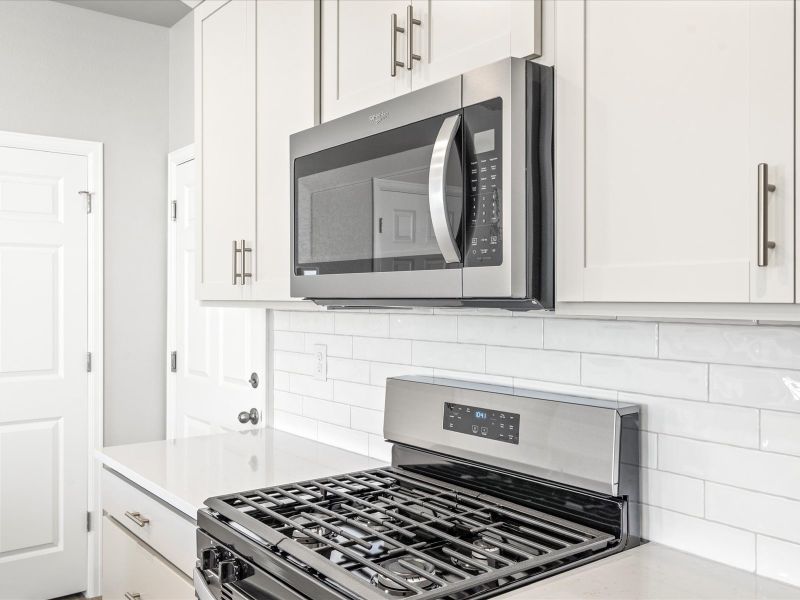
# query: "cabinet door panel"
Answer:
x=225 y=55
x=459 y=35
x=356 y=47
x=677 y=104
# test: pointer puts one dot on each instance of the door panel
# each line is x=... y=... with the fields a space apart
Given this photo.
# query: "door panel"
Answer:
x=356 y=47
x=225 y=83
x=456 y=36
x=43 y=380
x=217 y=348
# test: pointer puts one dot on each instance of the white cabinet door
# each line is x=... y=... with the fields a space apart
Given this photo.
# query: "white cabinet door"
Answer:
x=664 y=112
x=225 y=139
x=455 y=36
x=356 y=50
x=287 y=102
x=131 y=569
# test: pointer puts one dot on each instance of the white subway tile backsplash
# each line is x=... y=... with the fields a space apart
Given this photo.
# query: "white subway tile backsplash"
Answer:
x=327 y=411
x=733 y=344
x=363 y=324
x=720 y=440
x=647 y=376
x=379 y=372
x=358 y=394
x=547 y=365
x=448 y=355
x=344 y=438
x=423 y=327
x=762 y=513
x=753 y=386
x=347 y=369
x=382 y=350
x=500 y=331
x=779 y=560
x=312 y=321
x=780 y=432
x=367 y=420
x=699 y=420
x=697 y=536
x=627 y=338
x=759 y=471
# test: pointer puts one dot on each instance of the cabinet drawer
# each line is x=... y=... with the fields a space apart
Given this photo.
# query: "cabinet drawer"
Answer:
x=131 y=570
x=165 y=530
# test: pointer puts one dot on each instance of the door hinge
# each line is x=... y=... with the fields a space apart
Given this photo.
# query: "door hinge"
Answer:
x=174 y=210
x=173 y=361
x=88 y=362
x=88 y=196
x=88 y=521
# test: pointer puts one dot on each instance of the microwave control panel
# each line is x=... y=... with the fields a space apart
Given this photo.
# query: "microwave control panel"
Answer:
x=484 y=184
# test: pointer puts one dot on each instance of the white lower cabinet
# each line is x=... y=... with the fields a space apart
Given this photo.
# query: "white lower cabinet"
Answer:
x=148 y=546
x=132 y=571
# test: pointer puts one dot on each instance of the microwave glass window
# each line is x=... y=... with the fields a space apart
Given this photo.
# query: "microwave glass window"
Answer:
x=483 y=141
x=363 y=206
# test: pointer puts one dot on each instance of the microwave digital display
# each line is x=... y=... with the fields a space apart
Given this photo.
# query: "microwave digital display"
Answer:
x=483 y=141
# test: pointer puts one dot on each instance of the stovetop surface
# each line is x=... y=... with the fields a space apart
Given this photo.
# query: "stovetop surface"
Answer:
x=392 y=532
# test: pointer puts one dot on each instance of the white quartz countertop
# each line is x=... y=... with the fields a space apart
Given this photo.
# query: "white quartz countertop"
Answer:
x=184 y=472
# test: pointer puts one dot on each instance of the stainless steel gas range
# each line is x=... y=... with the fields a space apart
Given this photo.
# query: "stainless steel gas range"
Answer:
x=489 y=490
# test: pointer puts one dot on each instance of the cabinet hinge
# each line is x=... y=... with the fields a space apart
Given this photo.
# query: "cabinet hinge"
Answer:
x=173 y=361
x=88 y=362
x=174 y=210
x=88 y=196
x=88 y=521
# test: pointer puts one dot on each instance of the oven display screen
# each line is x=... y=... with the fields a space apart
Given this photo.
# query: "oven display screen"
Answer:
x=496 y=425
x=483 y=141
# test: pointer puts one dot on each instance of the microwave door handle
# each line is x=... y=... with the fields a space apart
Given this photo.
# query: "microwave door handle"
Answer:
x=437 y=189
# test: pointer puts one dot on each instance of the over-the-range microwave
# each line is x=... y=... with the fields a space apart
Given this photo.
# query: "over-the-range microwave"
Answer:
x=440 y=197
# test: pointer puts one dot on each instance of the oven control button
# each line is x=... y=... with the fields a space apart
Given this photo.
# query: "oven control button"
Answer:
x=209 y=558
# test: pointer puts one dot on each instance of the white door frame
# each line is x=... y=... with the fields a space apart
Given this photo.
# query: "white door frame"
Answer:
x=93 y=151
x=174 y=158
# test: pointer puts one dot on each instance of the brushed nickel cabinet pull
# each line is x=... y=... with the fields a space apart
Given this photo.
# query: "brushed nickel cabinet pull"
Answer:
x=137 y=518
x=393 y=46
x=245 y=274
x=236 y=251
x=764 y=187
x=133 y=596
x=410 y=22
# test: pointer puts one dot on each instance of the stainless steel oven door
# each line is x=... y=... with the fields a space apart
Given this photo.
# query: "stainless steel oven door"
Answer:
x=378 y=201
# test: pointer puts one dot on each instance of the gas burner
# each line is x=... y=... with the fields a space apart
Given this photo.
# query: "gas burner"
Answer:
x=312 y=527
x=393 y=565
x=378 y=522
x=485 y=557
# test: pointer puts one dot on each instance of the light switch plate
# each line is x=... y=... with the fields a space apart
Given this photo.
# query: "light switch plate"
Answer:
x=320 y=362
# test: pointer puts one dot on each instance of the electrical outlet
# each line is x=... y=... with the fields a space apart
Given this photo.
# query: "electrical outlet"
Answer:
x=320 y=362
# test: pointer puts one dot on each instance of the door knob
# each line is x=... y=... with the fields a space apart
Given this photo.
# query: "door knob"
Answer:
x=251 y=416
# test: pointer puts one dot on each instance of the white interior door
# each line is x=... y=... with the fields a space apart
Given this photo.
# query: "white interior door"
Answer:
x=218 y=349
x=43 y=378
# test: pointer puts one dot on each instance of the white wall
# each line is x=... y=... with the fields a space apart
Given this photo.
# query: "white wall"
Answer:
x=181 y=83
x=77 y=73
x=720 y=405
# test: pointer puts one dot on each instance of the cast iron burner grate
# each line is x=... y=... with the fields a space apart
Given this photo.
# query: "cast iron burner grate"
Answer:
x=386 y=532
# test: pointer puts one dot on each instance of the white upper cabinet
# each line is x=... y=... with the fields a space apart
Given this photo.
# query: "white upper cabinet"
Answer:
x=664 y=112
x=225 y=142
x=455 y=36
x=357 y=47
x=448 y=37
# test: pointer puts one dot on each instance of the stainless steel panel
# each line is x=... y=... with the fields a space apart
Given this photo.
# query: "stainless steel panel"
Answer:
x=567 y=439
x=439 y=283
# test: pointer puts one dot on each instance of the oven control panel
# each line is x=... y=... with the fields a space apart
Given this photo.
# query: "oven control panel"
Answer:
x=481 y=422
x=484 y=184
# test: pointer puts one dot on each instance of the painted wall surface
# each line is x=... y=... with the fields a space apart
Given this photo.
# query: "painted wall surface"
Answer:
x=181 y=83
x=720 y=405
x=78 y=73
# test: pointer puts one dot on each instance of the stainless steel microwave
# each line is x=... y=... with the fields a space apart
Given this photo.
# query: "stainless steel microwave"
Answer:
x=440 y=197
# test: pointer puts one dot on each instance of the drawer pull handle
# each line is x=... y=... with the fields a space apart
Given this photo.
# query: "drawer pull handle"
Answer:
x=133 y=596
x=137 y=518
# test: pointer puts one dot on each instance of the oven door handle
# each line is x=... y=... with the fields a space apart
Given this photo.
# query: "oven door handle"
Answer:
x=437 y=189
x=201 y=589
